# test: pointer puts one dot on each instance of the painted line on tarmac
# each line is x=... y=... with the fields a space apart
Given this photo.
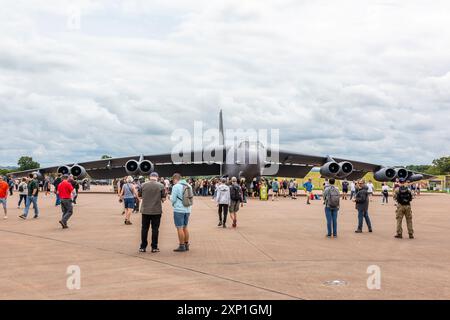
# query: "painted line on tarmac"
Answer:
x=158 y=261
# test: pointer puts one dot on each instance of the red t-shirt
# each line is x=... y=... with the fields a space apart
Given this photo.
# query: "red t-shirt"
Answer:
x=3 y=190
x=65 y=189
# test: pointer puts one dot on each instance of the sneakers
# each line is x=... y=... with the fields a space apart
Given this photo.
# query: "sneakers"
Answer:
x=411 y=236
x=128 y=222
x=63 y=225
x=370 y=230
x=398 y=236
x=220 y=224
x=23 y=217
x=155 y=250
x=35 y=217
x=142 y=250
x=187 y=246
x=181 y=248
x=358 y=231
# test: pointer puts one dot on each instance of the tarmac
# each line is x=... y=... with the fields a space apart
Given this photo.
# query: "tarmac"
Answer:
x=278 y=251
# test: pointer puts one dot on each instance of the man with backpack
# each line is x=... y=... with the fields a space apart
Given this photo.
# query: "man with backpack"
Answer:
x=332 y=199
x=236 y=196
x=362 y=205
x=182 y=199
x=403 y=197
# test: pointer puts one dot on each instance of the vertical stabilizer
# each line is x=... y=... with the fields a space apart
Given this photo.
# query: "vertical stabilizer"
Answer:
x=221 y=130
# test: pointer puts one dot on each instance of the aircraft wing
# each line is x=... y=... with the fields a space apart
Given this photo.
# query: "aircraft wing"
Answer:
x=297 y=165
x=163 y=164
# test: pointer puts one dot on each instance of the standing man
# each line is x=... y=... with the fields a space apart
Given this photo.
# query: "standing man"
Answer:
x=344 y=189
x=275 y=189
x=10 y=182
x=153 y=194
x=33 y=193
x=385 y=193
x=403 y=197
x=331 y=198
x=370 y=189
x=65 y=190
x=308 y=188
x=4 y=187
x=76 y=187
x=236 y=198
x=223 y=200
x=182 y=198
x=352 y=190
x=362 y=205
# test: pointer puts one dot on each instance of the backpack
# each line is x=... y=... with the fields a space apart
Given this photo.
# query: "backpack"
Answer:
x=333 y=198
x=188 y=196
x=21 y=188
x=404 y=196
x=235 y=193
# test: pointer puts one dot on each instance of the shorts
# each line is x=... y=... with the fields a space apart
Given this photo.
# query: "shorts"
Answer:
x=345 y=190
x=181 y=219
x=234 y=206
x=129 y=203
x=3 y=202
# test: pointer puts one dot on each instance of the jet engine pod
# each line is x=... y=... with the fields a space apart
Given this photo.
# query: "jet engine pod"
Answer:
x=330 y=169
x=132 y=167
x=146 y=167
x=64 y=170
x=346 y=168
x=78 y=172
x=401 y=173
x=385 y=174
x=39 y=175
x=415 y=177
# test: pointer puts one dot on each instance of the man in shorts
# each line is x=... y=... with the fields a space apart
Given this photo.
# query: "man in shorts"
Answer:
x=236 y=200
x=181 y=213
x=4 y=187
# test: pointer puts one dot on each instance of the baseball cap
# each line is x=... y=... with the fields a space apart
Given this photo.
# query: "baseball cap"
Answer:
x=154 y=174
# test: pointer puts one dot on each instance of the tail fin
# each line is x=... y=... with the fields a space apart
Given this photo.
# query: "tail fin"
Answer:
x=221 y=131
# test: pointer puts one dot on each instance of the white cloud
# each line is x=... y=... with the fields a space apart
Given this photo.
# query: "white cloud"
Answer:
x=368 y=81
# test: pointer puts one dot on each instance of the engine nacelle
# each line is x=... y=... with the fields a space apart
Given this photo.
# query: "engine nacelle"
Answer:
x=146 y=167
x=415 y=177
x=39 y=175
x=345 y=169
x=385 y=174
x=401 y=173
x=132 y=167
x=330 y=169
x=78 y=172
x=64 y=170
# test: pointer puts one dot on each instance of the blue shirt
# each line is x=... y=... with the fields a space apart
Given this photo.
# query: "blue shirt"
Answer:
x=177 y=198
x=308 y=186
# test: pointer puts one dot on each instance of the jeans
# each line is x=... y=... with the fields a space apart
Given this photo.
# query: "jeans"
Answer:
x=58 y=200
x=67 y=210
x=331 y=215
x=31 y=199
x=224 y=208
x=385 y=197
x=23 y=197
x=154 y=221
x=363 y=215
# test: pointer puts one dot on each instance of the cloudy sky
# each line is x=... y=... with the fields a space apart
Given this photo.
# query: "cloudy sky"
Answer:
x=366 y=80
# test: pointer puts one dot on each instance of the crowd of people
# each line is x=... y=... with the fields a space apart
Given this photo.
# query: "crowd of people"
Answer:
x=138 y=195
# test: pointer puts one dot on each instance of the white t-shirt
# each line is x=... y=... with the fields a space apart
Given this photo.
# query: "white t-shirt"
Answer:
x=370 y=187
x=385 y=188
x=352 y=186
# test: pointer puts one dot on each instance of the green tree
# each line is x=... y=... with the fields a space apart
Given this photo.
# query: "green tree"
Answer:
x=27 y=163
x=105 y=156
x=4 y=172
x=419 y=168
x=442 y=165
